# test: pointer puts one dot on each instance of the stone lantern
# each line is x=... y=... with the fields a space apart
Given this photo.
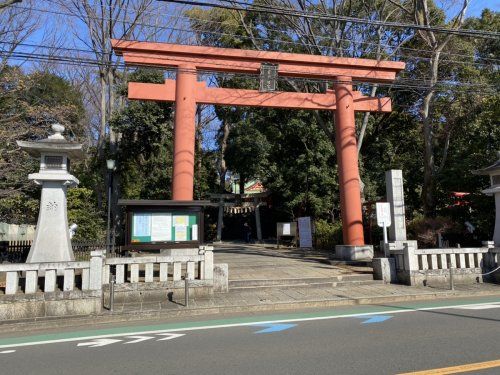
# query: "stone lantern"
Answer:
x=52 y=239
x=494 y=172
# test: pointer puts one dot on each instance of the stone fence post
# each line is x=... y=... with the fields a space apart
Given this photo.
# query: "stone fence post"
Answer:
x=96 y=269
x=410 y=258
x=208 y=264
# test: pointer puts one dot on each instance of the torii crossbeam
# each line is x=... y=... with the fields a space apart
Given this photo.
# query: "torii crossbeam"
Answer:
x=187 y=92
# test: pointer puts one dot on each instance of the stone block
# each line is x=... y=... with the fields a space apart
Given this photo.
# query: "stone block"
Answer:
x=31 y=282
x=349 y=252
x=384 y=269
x=179 y=252
x=221 y=278
x=208 y=266
x=12 y=282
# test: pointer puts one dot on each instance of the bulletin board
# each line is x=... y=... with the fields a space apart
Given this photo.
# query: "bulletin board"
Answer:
x=153 y=227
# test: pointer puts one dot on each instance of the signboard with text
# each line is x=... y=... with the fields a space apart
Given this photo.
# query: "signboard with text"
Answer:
x=152 y=227
x=305 y=232
x=383 y=214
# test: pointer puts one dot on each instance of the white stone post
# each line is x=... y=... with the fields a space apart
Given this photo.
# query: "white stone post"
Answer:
x=395 y=196
x=208 y=265
x=410 y=258
x=96 y=269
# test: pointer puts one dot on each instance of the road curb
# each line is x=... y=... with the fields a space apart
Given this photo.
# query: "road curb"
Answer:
x=108 y=318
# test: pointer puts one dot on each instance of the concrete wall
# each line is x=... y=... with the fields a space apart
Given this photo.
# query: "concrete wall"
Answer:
x=19 y=307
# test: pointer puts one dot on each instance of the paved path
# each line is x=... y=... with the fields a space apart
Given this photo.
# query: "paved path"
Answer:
x=268 y=262
x=459 y=336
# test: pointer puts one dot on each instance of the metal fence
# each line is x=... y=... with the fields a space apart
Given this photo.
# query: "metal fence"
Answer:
x=17 y=251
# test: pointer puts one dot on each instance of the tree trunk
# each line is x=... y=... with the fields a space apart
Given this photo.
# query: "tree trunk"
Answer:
x=242 y=184
x=223 y=146
x=102 y=130
x=428 y=189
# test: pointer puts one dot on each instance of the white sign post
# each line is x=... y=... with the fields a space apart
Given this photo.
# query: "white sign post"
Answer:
x=384 y=219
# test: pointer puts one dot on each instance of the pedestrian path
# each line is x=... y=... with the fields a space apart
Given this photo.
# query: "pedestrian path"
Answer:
x=266 y=262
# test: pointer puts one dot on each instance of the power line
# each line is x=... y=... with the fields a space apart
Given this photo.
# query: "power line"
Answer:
x=32 y=55
x=399 y=85
x=330 y=49
x=325 y=16
x=322 y=37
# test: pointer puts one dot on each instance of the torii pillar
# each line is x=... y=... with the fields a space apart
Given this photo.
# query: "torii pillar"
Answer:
x=347 y=161
x=184 y=134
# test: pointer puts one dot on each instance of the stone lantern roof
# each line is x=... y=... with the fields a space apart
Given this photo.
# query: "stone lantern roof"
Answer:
x=55 y=144
x=495 y=167
x=494 y=172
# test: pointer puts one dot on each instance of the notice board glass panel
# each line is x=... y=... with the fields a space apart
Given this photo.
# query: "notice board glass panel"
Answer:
x=153 y=227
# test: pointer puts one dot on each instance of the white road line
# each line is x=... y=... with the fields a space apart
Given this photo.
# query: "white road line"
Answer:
x=139 y=339
x=480 y=307
x=98 y=343
x=201 y=328
x=7 y=351
x=170 y=336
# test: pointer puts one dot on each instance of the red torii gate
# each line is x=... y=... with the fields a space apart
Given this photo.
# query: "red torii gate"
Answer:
x=187 y=92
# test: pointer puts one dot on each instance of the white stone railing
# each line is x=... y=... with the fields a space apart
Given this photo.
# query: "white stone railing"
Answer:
x=26 y=278
x=415 y=266
x=159 y=268
x=87 y=274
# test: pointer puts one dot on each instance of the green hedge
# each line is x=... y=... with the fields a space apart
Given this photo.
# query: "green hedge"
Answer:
x=327 y=234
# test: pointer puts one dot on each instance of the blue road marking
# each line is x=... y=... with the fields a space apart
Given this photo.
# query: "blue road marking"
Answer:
x=274 y=327
x=374 y=318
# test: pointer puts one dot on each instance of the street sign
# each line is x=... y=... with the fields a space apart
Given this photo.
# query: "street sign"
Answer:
x=383 y=214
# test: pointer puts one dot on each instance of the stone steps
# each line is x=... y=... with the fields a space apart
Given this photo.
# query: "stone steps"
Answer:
x=340 y=280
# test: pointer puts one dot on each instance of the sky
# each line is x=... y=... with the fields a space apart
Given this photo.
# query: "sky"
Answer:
x=477 y=6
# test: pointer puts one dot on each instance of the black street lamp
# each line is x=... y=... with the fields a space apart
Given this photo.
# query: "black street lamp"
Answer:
x=110 y=164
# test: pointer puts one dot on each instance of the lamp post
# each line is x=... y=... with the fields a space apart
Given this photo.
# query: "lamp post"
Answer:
x=110 y=164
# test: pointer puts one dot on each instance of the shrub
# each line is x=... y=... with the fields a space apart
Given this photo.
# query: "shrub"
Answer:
x=425 y=230
x=327 y=234
x=82 y=210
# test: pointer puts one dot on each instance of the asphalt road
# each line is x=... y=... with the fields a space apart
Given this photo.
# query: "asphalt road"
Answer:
x=377 y=340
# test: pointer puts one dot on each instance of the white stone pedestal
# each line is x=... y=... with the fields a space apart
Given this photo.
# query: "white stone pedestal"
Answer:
x=52 y=242
x=349 y=252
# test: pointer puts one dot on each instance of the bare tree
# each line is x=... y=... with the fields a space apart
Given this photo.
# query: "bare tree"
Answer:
x=105 y=20
x=16 y=25
x=437 y=43
x=6 y=3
